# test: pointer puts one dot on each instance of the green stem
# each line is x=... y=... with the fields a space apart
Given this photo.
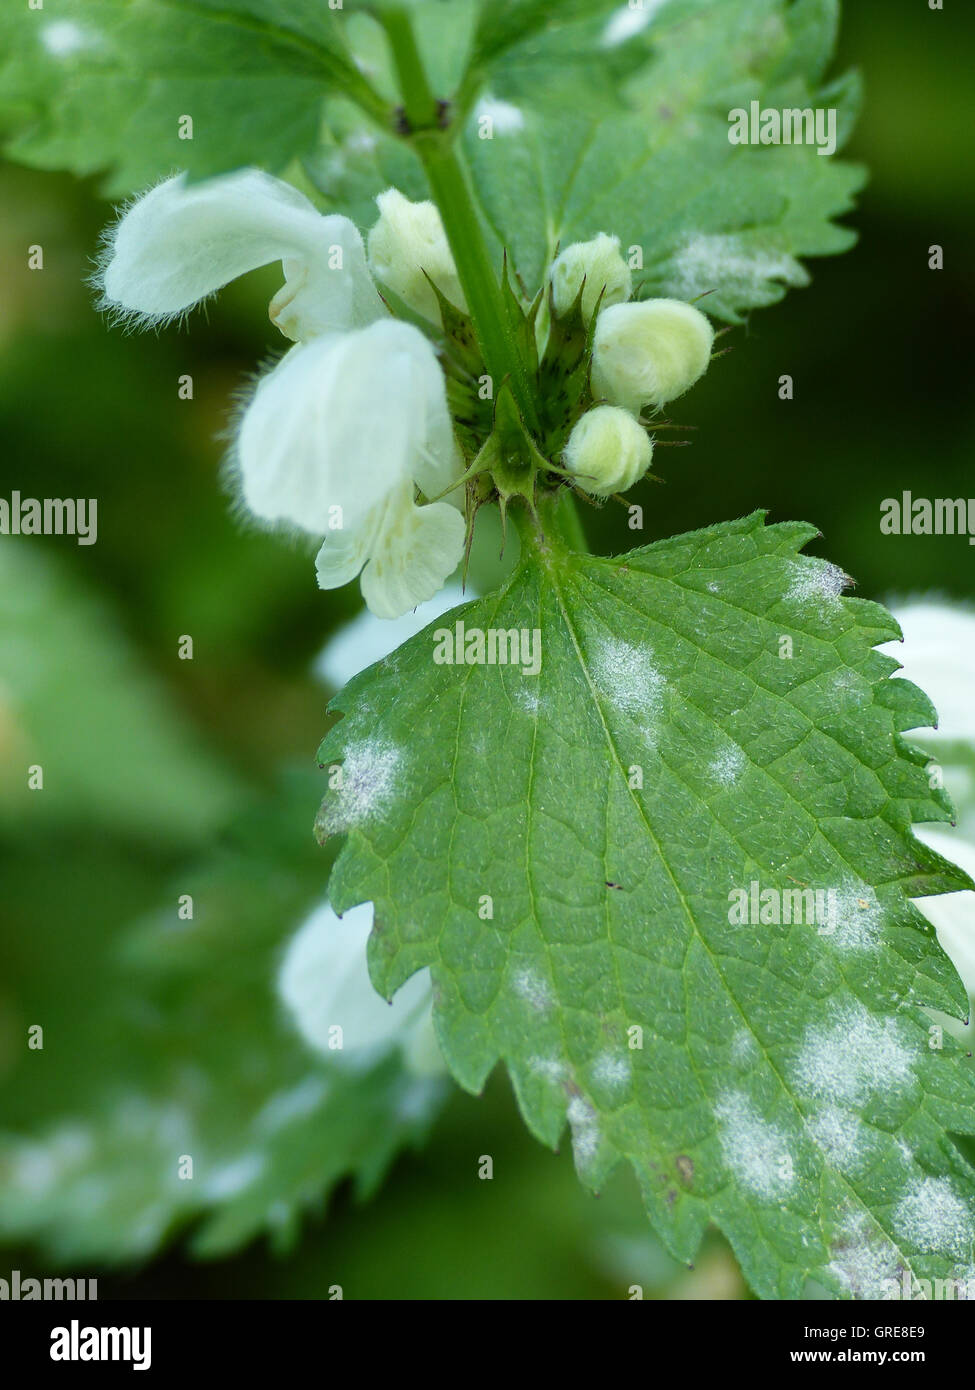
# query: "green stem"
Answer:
x=557 y=528
x=452 y=193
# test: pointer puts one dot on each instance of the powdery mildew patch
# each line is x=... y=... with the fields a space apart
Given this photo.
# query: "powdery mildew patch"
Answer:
x=864 y=1259
x=627 y=676
x=549 y=1067
x=855 y=916
x=932 y=1217
x=816 y=583
x=852 y=1058
x=840 y=1136
x=755 y=1151
x=533 y=988
x=611 y=1073
x=744 y=1049
x=707 y=263
x=584 y=1124
x=371 y=770
x=728 y=766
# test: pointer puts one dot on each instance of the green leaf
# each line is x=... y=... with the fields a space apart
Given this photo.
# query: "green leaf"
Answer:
x=562 y=851
x=211 y=1070
x=94 y=738
x=708 y=217
x=96 y=85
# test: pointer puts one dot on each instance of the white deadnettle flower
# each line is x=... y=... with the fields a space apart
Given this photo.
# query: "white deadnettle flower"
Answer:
x=406 y=246
x=938 y=654
x=953 y=914
x=600 y=265
x=609 y=449
x=324 y=984
x=649 y=353
x=181 y=242
x=338 y=434
x=334 y=440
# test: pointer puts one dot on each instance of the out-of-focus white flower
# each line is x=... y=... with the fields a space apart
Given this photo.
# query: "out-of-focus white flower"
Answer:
x=353 y=419
x=600 y=265
x=938 y=654
x=649 y=353
x=181 y=242
x=609 y=450
x=408 y=248
x=324 y=984
x=953 y=914
x=364 y=639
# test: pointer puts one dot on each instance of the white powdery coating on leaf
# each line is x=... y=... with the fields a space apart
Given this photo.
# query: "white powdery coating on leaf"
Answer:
x=611 y=1071
x=855 y=916
x=864 y=1259
x=548 y=1067
x=817 y=582
x=933 y=1218
x=628 y=677
x=754 y=1150
x=370 y=769
x=707 y=263
x=585 y=1131
x=839 y=1135
x=530 y=986
x=744 y=1048
x=855 y=1056
x=728 y=766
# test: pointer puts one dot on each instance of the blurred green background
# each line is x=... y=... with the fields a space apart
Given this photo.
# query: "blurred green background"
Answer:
x=148 y=758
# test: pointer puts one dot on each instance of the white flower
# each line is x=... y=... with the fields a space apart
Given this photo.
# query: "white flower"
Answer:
x=364 y=639
x=181 y=242
x=953 y=914
x=939 y=655
x=609 y=450
x=600 y=265
x=334 y=440
x=353 y=419
x=649 y=353
x=324 y=984
x=408 y=248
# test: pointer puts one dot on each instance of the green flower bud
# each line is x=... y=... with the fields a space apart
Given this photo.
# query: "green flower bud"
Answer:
x=609 y=450
x=406 y=245
x=649 y=353
x=604 y=270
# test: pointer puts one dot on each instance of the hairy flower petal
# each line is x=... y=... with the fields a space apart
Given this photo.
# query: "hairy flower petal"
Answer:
x=181 y=242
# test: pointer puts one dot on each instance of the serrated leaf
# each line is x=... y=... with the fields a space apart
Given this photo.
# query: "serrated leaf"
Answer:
x=709 y=217
x=102 y=85
x=561 y=850
x=210 y=1070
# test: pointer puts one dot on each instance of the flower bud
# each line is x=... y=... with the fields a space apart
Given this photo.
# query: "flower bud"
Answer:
x=407 y=245
x=649 y=353
x=609 y=450
x=604 y=270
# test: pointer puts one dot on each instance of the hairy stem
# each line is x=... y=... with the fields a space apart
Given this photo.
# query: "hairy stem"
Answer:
x=451 y=189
